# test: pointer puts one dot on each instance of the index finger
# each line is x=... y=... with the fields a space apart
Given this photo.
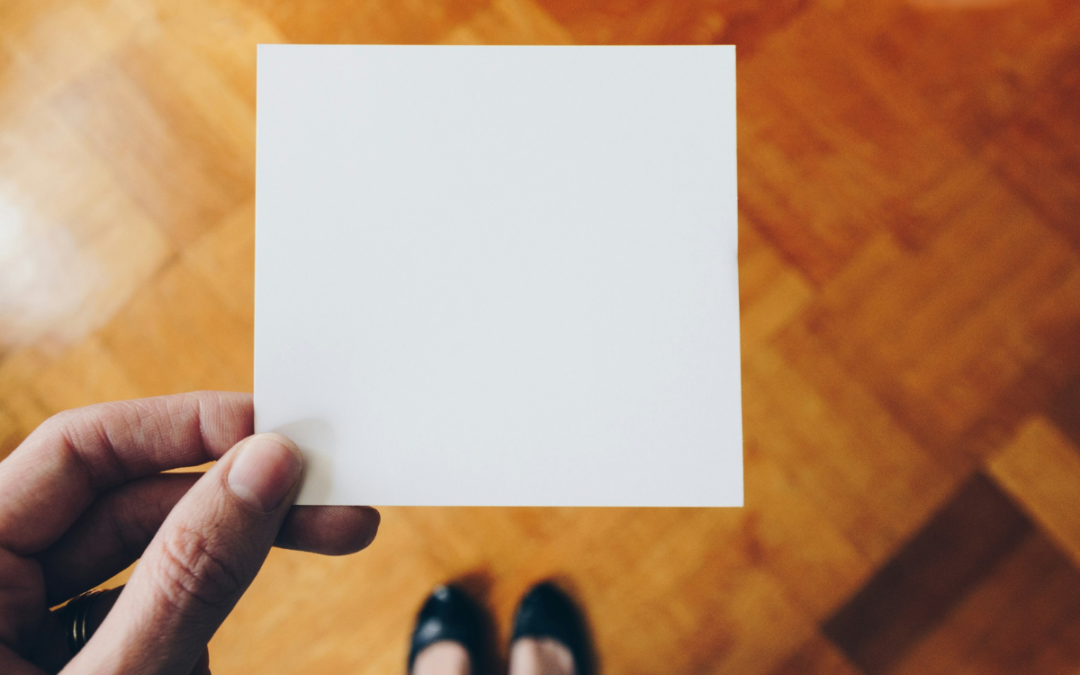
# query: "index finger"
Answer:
x=61 y=467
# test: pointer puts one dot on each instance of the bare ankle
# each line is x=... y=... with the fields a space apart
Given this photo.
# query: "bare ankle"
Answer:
x=540 y=656
x=442 y=658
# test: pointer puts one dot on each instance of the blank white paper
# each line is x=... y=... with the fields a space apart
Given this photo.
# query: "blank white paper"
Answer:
x=500 y=275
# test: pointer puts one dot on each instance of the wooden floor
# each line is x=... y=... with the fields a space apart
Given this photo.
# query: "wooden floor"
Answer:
x=910 y=269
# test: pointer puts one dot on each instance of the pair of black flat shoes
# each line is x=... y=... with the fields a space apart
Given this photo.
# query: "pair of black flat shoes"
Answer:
x=545 y=612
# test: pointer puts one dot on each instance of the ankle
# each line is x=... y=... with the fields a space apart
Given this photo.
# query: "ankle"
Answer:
x=442 y=658
x=540 y=656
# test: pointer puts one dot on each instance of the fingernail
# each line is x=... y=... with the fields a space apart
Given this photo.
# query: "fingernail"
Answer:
x=266 y=470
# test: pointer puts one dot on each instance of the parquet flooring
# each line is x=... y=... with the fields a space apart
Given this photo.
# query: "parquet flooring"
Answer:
x=910 y=279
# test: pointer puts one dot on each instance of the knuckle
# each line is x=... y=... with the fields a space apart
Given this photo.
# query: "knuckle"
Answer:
x=192 y=573
x=64 y=425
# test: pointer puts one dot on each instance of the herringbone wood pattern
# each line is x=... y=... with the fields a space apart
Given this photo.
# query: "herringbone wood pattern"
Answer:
x=910 y=270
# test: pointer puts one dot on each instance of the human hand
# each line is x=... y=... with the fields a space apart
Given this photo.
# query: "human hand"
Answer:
x=83 y=497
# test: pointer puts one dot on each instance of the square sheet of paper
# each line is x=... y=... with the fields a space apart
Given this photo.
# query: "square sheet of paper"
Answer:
x=500 y=275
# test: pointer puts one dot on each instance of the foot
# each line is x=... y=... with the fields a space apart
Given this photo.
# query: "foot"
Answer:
x=549 y=636
x=442 y=658
x=449 y=635
x=540 y=656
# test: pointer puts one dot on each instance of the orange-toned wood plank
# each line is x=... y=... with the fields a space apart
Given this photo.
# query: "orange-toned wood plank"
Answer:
x=11 y=434
x=941 y=346
x=818 y=657
x=1040 y=469
x=771 y=294
x=671 y=22
x=363 y=21
x=876 y=482
x=59 y=40
x=183 y=165
x=510 y=22
x=222 y=34
x=224 y=258
x=777 y=306
x=789 y=533
x=815 y=120
x=83 y=375
x=1000 y=94
x=18 y=371
x=175 y=335
x=74 y=246
x=1023 y=619
x=932 y=573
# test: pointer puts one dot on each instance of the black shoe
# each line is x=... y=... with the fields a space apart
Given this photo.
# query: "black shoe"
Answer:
x=547 y=612
x=449 y=614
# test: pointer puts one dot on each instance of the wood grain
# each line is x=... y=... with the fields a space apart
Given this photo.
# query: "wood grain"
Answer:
x=910 y=286
x=1041 y=471
x=910 y=595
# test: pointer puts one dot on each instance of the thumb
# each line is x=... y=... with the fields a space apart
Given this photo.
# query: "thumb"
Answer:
x=198 y=565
